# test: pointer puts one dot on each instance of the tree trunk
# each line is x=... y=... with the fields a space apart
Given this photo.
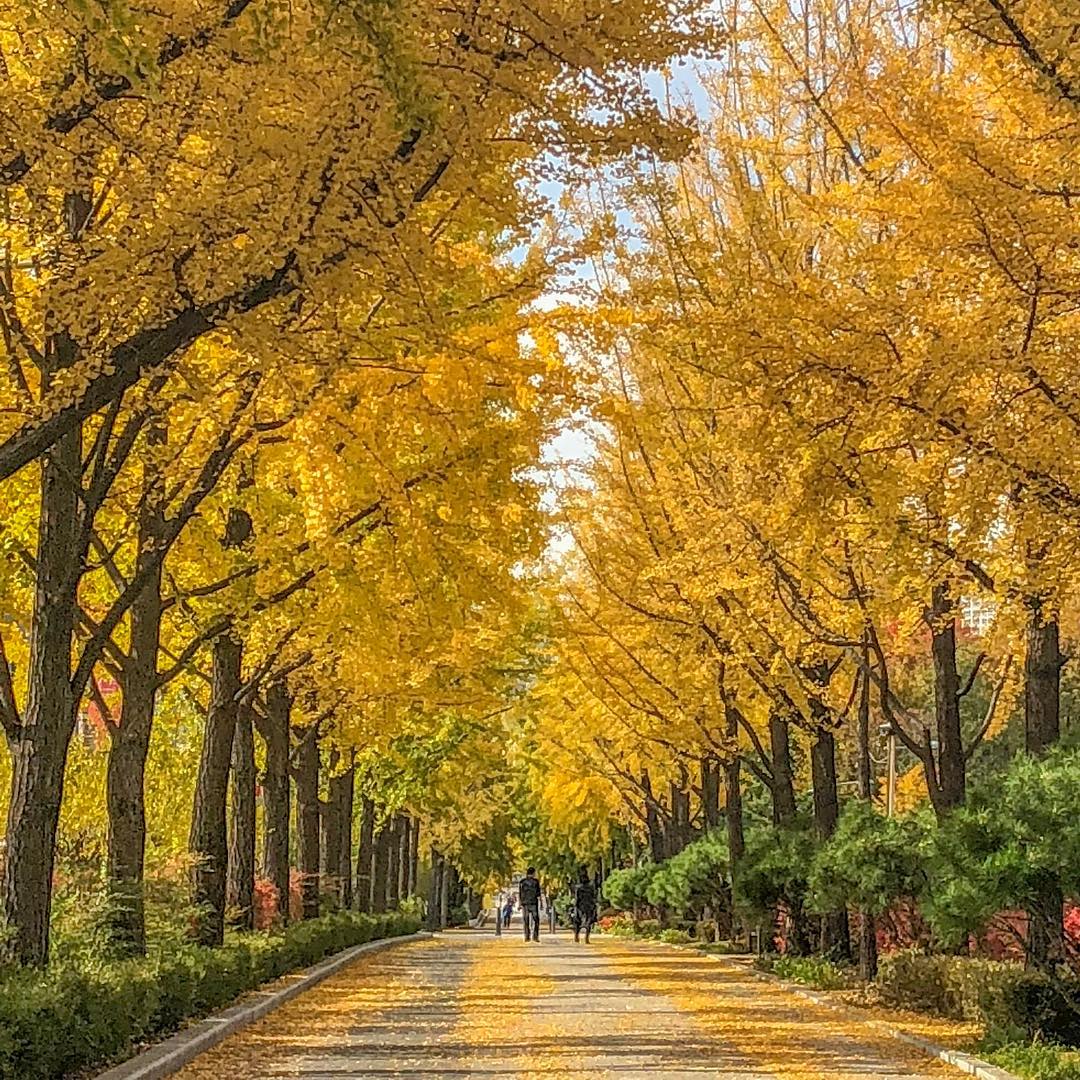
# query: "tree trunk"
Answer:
x=835 y=932
x=435 y=890
x=129 y=745
x=951 y=781
x=1042 y=680
x=380 y=869
x=446 y=880
x=1042 y=729
x=680 y=818
x=346 y=792
x=404 y=832
x=241 y=877
x=209 y=842
x=39 y=746
x=652 y=821
x=868 y=954
x=307 y=820
x=783 y=787
x=275 y=732
x=209 y=837
x=393 y=862
x=733 y=807
x=330 y=829
x=710 y=792
x=365 y=856
x=414 y=856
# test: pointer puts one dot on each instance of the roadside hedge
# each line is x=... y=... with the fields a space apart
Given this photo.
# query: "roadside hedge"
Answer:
x=68 y=1020
x=1010 y=1002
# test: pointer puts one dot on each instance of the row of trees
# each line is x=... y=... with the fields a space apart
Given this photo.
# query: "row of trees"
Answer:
x=268 y=412
x=832 y=416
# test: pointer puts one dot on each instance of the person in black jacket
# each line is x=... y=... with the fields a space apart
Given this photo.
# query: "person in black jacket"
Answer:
x=584 y=905
x=529 y=898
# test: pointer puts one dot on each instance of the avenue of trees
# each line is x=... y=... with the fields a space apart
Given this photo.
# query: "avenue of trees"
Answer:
x=268 y=416
x=831 y=489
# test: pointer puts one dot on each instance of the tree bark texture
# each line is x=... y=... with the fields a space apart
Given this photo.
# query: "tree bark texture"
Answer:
x=414 y=856
x=710 y=792
x=276 y=795
x=949 y=787
x=39 y=745
x=209 y=837
x=129 y=745
x=241 y=876
x=380 y=867
x=783 y=786
x=435 y=890
x=365 y=856
x=307 y=821
x=1043 y=662
x=393 y=862
x=346 y=792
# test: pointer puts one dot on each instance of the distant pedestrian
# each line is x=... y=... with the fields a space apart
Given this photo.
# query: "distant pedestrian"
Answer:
x=584 y=905
x=529 y=899
x=508 y=911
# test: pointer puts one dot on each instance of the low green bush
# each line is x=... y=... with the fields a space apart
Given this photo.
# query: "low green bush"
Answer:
x=1012 y=1004
x=1037 y=1062
x=648 y=928
x=722 y=948
x=675 y=937
x=813 y=971
x=70 y=1019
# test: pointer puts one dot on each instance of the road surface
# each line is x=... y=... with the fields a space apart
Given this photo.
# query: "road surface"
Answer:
x=469 y=1004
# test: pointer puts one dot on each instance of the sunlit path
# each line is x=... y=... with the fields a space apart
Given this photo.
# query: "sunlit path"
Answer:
x=471 y=1004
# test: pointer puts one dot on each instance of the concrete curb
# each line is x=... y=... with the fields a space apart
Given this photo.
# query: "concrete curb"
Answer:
x=172 y=1054
x=965 y=1062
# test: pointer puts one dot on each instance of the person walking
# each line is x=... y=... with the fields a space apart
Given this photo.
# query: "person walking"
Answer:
x=584 y=905
x=507 y=912
x=529 y=899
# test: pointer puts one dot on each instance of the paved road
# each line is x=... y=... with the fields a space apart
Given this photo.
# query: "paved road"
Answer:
x=471 y=1004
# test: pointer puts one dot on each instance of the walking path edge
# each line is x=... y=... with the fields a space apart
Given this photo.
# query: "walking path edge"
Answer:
x=968 y=1063
x=164 y=1058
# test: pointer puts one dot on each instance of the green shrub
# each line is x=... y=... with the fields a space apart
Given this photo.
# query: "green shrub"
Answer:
x=958 y=987
x=627 y=888
x=813 y=971
x=675 y=937
x=722 y=948
x=648 y=928
x=1037 y=1062
x=694 y=879
x=870 y=862
x=74 y=1018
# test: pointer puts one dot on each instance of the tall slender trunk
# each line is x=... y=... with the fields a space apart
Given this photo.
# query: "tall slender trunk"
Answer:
x=275 y=733
x=733 y=807
x=365 y=856
x=393 y=862
x=209 y=837
x=680 y=817
x=129 y=745
x=710 y=792
x=404 y=831
x=836 y=936
x=652 y=821
x=868 y=953
x=208 y=842
x=346 y=792
x=414 y=856
x=39 y=745
x=783 y=813
x=447 y=879
x=1043 y=662
x=783 y=787
x=241 y=876
x=330 y=831
x=950 y=787
x=435 y=889
x=380 y=867
x=1042 y=728
x=307 y=821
